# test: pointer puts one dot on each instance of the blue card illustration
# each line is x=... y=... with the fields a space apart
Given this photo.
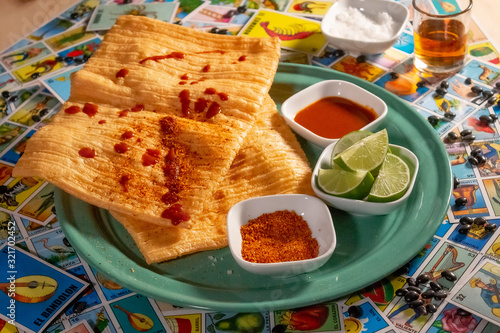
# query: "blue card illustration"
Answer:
x=88 y=298
x=60 y=85
x=405 y=43
x=12 y=155
x=105 y=16
x=98 y=320
x=481 y=72
x=52 y=28
x=24 y=55
x=475 y=204
x=370 y=320
x=34 y=292
x=55 y=249
x=452 y=320
x=110 y=289
x=81 y=10
x=457 y=154
x=136 y=313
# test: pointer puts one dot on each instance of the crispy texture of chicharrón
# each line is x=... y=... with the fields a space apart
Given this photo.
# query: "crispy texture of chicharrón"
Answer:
x=199 y=94
x=270 y=161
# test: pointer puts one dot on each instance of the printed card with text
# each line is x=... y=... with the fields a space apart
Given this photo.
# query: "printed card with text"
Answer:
x=370 y=319
x=479 y=292
x=33 y=291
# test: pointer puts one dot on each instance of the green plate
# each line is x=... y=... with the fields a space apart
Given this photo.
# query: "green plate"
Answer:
x=368 y=248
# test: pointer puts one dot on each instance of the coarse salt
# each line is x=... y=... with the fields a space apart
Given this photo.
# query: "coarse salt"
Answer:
x=353 y=24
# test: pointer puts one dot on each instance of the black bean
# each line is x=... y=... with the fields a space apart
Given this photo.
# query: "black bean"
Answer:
x=441 y=294
x=86 y=57
x=35 y=75
x=394 y=75
x=490 y=227
x=68 y=59
x=493 y=116
x=476 y=152
x=465 y=132
x=464 y=229
x=280 y=328
x=74 y=16
x=481 y=159
x=414 y=288
x=423 y=278
x=401 y=292
x=461 y=201
x=452 y=136
x=416 y=304
x=468 y=80
x=497 y=84
x=487 y=93
x=472 y=160
x=431 y=308
x=449 y=115
x=429 y=293
x=411 y=296
x=420 y=84
x=444 y=84
x=469 y=138
x=5 y=94
x=449 y=275
x=466 y=220
x=78 y=61
x=13 y=98
x=36 y=118
x=441 y=91
x=361 y=59
x=486 y=119
x=339 y=53
x=241 y=9
x=456 y=182
x=463 y=313
x=491 y=100
x=421 y=310
x=476 y=90
x=355 y=311
x=411 y=281
x=433 y=120
x=435 y=286
x=480 y=220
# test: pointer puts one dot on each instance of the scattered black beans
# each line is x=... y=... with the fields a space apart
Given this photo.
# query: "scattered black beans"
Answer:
x=68 y=59
x=13 y=98
x=414 y=288
x=490 y=227
x=480 y=221
x=452 y=136
x=355 y=311
x=78 y=61
x=464 y=229
x=59 y=59
x=466 y=220
x=485 y=118
x=338 y=53
x=420 y=84
x=411 y=296
x=441 y=294
x=492 y=100
x=476 y=90
x=5 y=94
x=449 y=115
x=494 y=117
x=401 y=292
x=433 y=120
x=435 y=286
x=476 y=152
x=465 y=132
x=487 y=93
x=469 y=138
x=463 y=313
x=423 y=278
x=461 y=201
x=280 y=328
x=431 y=308
x=35 y=75
x=449 y=275
x=468 y=80
x=473 y=160
x=416 y=304
x=411 y=281
x=394 y=75
x=421 y=310
x=456 y=182
x=444 y=84
x=441 y=91
x=361 y=59
x=429 y=293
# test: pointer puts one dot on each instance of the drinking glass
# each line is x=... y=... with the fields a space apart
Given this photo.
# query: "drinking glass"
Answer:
x=440 y=35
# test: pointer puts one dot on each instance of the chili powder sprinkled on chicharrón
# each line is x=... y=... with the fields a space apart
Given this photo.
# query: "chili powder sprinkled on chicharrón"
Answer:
x=277 y=237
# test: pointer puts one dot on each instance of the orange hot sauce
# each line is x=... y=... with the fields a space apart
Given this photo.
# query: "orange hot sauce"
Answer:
x=333 y=117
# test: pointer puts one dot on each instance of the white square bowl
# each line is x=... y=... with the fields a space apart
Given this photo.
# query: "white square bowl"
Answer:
x=314 y=211
x=370 y=8
x=328 y=88
x=362 y=207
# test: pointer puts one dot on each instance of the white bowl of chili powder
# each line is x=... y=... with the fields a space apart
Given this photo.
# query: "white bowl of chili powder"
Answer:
x=281 y=235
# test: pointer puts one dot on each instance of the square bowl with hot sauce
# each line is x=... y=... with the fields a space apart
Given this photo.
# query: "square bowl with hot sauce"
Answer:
x=281 y=235
x=326 y=111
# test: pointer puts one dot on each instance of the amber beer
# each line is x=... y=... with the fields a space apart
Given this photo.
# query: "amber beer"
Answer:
x=441 y=43
x=441 y=38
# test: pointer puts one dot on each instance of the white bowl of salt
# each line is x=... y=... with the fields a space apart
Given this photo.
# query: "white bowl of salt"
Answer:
x=364 y=26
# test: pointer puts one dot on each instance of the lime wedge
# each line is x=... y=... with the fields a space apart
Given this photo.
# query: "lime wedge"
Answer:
x=365 y=155
x=348 y=184
x=348 y=140
x=392 y=181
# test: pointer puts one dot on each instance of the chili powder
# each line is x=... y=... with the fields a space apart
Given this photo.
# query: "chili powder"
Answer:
x=277 y=237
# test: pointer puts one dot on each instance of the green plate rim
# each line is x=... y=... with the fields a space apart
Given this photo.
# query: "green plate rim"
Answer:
x=83 y=225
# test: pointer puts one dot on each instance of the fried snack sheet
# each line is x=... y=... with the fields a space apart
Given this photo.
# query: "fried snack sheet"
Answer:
x=188 y=97
x=270 y=161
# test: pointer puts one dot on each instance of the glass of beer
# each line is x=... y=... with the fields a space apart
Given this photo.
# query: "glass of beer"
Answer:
x=440 y=34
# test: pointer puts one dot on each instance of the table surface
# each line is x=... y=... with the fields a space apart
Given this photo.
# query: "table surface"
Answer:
x=18 y=18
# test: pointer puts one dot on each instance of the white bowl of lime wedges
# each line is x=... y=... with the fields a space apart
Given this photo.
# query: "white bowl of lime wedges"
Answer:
x=357 y=176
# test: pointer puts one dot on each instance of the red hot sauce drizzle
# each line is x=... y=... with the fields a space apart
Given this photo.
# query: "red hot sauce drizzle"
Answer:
x=72 y=109
x=123 y=113
x=223 y=96
x=151 y=157
x=174 y=55
x=206 y=68
x=121 y=147
x=102 y=121
x=213 y=110
x=184 y=97
x=87 y=152
x=185 y=77
x=127 y=135
x=90 y=109
x=200 y=105
x=122 y=73
x=137 y=108
x=175 y=214
x=124 y=179
x=242 y=58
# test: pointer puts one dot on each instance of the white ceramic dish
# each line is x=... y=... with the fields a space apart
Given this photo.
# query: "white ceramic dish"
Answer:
x=328 y=88
x=369 y=8
x=360 y=207
x=312 y=210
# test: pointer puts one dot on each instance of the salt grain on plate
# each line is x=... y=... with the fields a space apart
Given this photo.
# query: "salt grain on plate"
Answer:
x=353 y=24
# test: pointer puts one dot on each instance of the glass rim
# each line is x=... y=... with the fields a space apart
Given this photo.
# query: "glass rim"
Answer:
x=415 y=7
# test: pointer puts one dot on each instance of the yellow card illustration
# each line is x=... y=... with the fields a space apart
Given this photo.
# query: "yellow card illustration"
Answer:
x=42 y=67
x=299 y=34
x=309 y=8
x=485 y=52
x=362 y=70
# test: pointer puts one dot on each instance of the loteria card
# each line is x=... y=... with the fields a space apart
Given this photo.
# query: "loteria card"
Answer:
x=308 y=8
x=296 y=34
x=22 y=56
x=325 y=317
x=33 y=291
x=479 y=292
x=370 y=319
x=105 y=16
x=81 y=327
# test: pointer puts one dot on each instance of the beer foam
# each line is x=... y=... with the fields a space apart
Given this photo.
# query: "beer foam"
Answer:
x=351 y=23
